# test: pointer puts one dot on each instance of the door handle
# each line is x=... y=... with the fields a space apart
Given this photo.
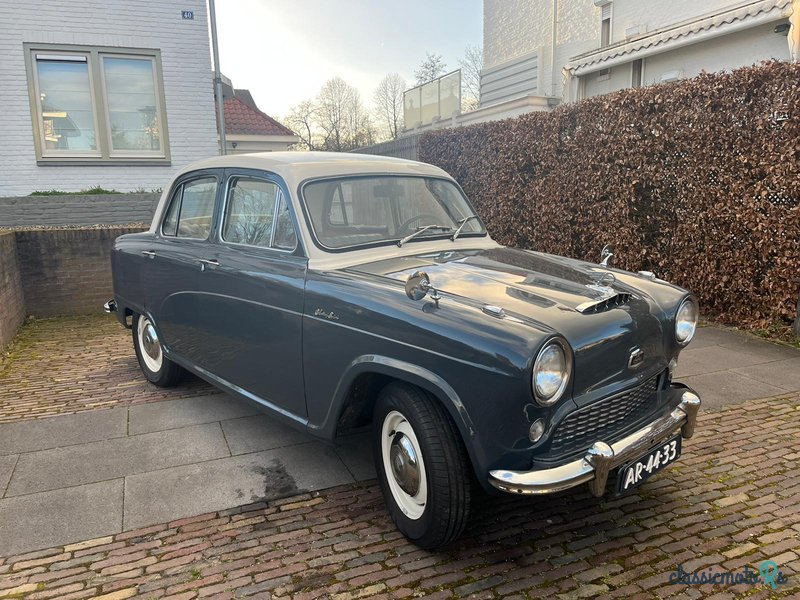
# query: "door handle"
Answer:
x=149 y=253
x=208 y=262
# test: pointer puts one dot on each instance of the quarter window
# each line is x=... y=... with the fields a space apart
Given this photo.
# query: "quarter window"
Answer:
x=191 y=209
x=93 y=104
x=250 y=215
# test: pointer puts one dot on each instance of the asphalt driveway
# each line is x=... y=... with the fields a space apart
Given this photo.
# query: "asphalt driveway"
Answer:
x=129 y=455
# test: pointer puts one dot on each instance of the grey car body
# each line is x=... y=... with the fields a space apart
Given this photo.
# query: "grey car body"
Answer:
x=312 y=333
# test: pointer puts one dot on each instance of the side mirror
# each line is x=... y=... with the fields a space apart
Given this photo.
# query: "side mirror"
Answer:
x=419 y=285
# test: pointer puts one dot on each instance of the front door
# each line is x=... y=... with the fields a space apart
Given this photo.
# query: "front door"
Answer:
x=171 y=273
x=253 y=284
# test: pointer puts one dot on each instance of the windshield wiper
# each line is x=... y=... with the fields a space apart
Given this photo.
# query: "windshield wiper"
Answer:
x=461 y=224
x=419 y=230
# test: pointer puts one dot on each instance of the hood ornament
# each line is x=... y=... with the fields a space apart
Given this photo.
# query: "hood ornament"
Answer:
x=419 y=285
x=605 y=255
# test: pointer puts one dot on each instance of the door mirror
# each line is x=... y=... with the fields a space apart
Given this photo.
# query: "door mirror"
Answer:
x=419 y=285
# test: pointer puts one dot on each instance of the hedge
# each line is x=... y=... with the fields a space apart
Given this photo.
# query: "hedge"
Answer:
x=697 y=181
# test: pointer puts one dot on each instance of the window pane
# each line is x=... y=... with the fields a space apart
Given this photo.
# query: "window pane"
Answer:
x=66 y=105
x=170 y=226
x=285 y=237
x=131 y=103
x=249 y=212
x=197 y=208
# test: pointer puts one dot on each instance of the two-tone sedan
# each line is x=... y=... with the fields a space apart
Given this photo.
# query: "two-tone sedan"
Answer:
x=341 y=291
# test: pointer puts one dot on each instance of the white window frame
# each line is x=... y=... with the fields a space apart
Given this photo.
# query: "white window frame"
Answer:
x=104 y=154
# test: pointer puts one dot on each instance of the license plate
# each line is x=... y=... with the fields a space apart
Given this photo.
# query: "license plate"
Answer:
x=640 y=470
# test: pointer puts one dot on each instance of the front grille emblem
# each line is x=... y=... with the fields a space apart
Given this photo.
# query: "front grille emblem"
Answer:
x=636 y=358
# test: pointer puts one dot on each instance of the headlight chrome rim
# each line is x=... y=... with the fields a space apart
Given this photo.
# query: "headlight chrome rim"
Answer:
x=559 y=393
x=696 y=313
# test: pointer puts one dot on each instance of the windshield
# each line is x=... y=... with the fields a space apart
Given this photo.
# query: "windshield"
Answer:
x=353 y=211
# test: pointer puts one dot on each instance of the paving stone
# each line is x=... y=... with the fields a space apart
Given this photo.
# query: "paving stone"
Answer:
x=64 y=430
x=784 y=374
x=189 y=411
x=7 y=464
x=214 y=485
x=110 y=459
x=356 y=453
x=260 y=432
x=61 y=516
x=728 y=387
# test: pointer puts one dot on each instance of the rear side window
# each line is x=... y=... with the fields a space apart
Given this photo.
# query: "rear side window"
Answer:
x=191 y=209
x=250 y=215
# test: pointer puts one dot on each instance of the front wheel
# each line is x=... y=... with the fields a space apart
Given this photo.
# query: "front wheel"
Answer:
x=156 y=367
x=422 y=466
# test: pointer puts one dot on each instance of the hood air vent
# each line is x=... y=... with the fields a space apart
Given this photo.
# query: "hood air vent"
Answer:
x=603 y=304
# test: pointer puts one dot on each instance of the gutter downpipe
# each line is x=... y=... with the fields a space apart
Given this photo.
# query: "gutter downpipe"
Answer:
x=554 y=36
x=220 y=101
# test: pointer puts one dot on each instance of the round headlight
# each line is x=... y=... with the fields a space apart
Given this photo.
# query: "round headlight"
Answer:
x=550 y=373
x=686 y=322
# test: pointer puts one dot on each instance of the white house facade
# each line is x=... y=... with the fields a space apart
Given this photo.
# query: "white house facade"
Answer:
x=114 y=94
x=654 y=42
x=571 y=49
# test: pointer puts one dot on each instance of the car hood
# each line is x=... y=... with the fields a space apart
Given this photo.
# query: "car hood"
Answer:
x=546 y=293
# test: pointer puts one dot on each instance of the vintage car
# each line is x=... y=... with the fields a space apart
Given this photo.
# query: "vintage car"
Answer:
x=342 y=291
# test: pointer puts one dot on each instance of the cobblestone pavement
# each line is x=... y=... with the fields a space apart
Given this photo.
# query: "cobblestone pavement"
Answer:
x=74 y=364
x=732 y=501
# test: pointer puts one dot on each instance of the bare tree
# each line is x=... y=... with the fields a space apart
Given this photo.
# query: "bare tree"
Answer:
x=389 y=104
x=343 y=121
x=430 y=68
x=471 y=66
x=302 y=120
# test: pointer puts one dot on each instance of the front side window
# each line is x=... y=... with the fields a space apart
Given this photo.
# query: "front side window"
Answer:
x=191 y=209
x=92 y=104
x=256 y=214
x=354 y=211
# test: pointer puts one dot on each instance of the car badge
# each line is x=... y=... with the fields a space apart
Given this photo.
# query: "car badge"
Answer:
x=636 y=358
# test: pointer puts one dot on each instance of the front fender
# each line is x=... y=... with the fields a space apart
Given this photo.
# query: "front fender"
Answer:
x=402 y=371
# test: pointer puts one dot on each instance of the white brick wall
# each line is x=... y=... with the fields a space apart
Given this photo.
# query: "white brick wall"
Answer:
x=512 y=28
x=154 y=24
x=657 y=14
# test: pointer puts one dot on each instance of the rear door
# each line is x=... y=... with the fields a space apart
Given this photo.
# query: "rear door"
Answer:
x=171 y=275
x=253 y=285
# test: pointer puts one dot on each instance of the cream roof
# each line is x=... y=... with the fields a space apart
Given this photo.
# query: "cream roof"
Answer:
x=296 y=167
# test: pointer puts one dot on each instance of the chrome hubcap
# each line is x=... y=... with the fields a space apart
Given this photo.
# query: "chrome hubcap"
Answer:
x=150 y=342
x=405 y=466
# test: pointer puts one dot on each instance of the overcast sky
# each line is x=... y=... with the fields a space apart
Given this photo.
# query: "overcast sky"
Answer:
x=284 y=50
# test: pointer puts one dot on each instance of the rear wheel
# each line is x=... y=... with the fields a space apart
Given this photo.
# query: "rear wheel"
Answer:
x=422 y=466
x=156 y=367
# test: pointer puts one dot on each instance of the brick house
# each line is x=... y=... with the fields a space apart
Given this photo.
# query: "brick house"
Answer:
x=116 y=94
x=247 y=129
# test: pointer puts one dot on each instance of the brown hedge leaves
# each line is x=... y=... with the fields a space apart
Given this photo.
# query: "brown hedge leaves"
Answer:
x=698 y=181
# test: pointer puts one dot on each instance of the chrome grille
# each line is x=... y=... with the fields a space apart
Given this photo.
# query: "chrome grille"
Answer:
x=605 y=419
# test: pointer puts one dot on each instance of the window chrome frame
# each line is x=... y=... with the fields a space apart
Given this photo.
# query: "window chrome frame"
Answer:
x=281 y=199
x=180 y=183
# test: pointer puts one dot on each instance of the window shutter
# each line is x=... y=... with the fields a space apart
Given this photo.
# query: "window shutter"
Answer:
x=606 y=11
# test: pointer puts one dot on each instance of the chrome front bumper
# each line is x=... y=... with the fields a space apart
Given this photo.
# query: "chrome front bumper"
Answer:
x=110 y=306
x=601 y=458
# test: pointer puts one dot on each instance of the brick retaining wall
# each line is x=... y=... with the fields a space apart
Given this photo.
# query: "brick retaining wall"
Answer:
x=12 y=301
x=66 y=271
x=74 y=209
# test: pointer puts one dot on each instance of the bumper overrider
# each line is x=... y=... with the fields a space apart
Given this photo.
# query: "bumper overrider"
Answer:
x=602 y=458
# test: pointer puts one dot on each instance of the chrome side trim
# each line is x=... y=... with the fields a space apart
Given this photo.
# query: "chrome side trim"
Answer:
x=601 y=458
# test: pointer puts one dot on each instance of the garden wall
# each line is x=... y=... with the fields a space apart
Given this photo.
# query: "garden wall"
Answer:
x=698 y=181
x=12 y=300
x=66 y=271
x=77 y=209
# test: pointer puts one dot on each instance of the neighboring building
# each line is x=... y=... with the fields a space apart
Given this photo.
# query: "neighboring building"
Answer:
x=247 y=129
x=654 y=42
x=116 y=94
x=572 y=49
